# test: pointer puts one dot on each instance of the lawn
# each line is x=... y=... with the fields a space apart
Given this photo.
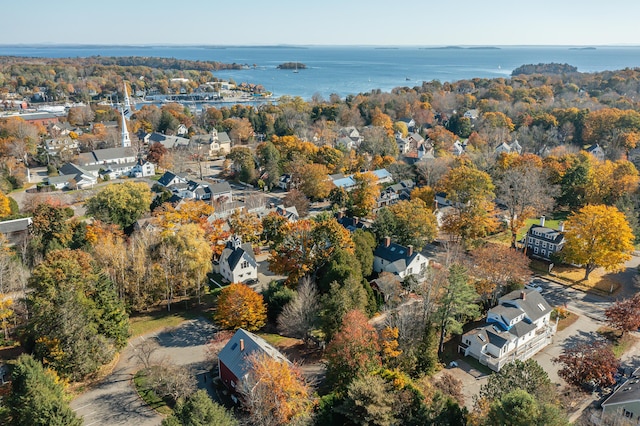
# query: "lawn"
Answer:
x=566 y=318
x=278 y=340
x=621 y=342
x=149 y=396
x=146 y=323
x=573 y=276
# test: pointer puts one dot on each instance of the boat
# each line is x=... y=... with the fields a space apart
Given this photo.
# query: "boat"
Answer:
x=295 y=71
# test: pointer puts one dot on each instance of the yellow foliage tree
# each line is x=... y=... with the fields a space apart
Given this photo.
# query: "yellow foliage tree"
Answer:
x=240 y=307
x=365 y=193
x=5 y=313
x=389 y=343
x=5 y=206
x=275 y=392
x=598 y=236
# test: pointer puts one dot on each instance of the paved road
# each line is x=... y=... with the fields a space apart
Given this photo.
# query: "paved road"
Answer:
x=115 y=401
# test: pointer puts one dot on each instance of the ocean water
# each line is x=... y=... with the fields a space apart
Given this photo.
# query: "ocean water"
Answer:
x=352 y=70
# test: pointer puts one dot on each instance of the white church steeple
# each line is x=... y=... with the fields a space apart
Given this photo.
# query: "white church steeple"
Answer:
x=126 y=108
x=126 y=140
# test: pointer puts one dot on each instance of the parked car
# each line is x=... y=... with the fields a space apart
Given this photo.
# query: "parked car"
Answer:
x=534 y=285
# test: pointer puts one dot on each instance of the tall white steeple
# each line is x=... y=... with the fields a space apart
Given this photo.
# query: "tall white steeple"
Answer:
x=126 y=140
x=126 y=108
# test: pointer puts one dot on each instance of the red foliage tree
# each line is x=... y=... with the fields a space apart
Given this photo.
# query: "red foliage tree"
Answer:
x=625 y=314
x=354 y=350
x=588 y=363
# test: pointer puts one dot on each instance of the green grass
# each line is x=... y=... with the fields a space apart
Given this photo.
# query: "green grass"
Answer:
x=551 y=223
x=143 y=324
x=621 y=342
x=277 y=340
x=149 y=396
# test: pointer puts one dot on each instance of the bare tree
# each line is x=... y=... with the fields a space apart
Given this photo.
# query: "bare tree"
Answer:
x=301 y=314
x=174 y=381
x=526 y=192
x=144 y=351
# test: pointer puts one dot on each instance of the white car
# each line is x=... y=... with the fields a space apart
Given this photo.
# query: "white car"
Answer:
x=534 y=285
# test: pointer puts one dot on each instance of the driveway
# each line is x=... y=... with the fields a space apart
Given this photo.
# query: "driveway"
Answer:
x=115 y=402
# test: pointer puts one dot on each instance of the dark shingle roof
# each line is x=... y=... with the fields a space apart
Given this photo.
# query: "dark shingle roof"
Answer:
x=237 y=254
x=548 y=234
x=628 y=392
x=521 y=328
x=507 y=312
x=220 y=188
x=166 y=178
x=394 y=252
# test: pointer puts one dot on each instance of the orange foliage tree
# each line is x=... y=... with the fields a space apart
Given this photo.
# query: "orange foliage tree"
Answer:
x=274 y=391
x=354 y=351
x=240 y=307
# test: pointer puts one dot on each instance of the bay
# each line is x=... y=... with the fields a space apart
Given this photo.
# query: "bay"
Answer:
x=357 y=69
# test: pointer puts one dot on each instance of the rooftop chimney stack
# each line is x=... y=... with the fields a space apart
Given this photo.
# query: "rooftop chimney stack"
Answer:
x=542 y=220
x=241 y=345
x=523 y=295
x=409 y=250
x=561 y=226
x=387 y=241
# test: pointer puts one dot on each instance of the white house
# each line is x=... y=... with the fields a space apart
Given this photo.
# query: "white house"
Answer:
x=237 y=262
x=72 y=177
x=116 y=161
x=542 y=241
x=143 y=168
x=517 y=328
x=399 y=260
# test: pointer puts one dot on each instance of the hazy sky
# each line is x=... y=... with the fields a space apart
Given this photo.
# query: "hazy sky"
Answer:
x=328 y=22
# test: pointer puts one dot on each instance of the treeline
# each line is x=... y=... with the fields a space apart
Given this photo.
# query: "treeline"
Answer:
x=551 y=68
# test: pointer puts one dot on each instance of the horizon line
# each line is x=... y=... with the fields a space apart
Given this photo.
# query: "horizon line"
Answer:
x=286 y=45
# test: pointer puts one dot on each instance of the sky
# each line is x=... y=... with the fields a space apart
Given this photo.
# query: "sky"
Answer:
x=328 y=22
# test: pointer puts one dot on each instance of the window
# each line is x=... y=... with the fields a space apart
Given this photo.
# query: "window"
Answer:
x=244 y=264
x=544 y=252
x=410 y=271
x=626 y=413
x=544 y=244
x=535 y=250
x=537 y=242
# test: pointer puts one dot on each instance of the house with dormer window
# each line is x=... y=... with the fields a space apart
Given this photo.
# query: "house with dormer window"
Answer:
x=398 y=260
x=237 y=263
x=518 y=328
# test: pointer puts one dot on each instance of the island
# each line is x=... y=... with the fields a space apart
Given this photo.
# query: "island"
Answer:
x=551 y=68
x=292 y=66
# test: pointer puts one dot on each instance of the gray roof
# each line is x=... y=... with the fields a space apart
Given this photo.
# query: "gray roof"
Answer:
x=521 y=328
x=234 y=359
x=533 y=304
x=507 y=312
x=548 y=234
x=220 y=188
x=15 y=225
x=495 y=336
x=113 y=153
x=238 y=253
x=629 y=391
x=223 y=137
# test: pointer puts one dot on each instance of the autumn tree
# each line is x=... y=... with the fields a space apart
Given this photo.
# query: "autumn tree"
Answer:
x=497 y=267
x=364 y=194
x=354 y=350
x=240 y=307
x=121 y=204
x=526 y=193
x=410 y=223
x=306 y=245
x=470 y=192
x=597 y=236
x=247 y=225
x=588 y=363
x=315 y=182
x=5 y=206
x=624 y=315
x=37 y=396
x=274 y=391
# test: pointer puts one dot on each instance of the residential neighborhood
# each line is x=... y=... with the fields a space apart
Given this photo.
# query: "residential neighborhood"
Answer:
x=431 y=255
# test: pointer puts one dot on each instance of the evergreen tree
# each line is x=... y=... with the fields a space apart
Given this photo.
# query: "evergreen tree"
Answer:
x=199 y=410
x=37 y=397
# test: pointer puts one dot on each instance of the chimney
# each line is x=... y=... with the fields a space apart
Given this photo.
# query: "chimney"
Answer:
x=523 y=295
x=409 y=250
x=387 y=241
x=340 y=215
x=561 y=226
x=241 y=345
x=541 y=220
x=355 y=220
